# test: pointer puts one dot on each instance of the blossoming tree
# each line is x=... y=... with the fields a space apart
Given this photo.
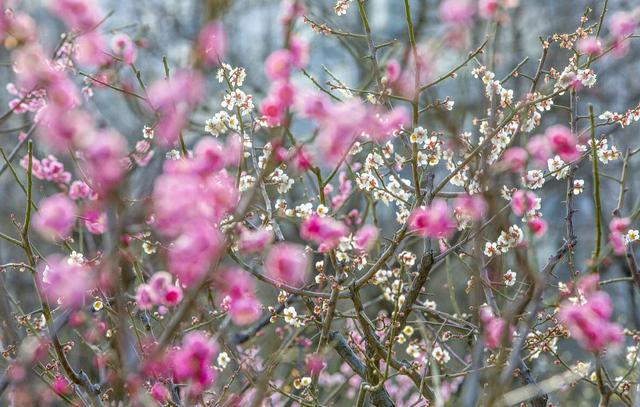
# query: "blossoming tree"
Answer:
x=321 y=242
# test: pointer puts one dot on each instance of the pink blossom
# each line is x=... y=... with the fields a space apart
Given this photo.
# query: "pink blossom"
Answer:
x=212 y=43
x=538 y=226
x=315 y=363
x=493 y=328
x=56 y=217
x=562 y=142
x=48 y=169
x=456 y=11
x=617 y=228
x=124 y=47
x=278 y=65
x=79 y=190
x=273 y=110
x=366 y=237
x=61 y=92
x=22 y=28
x=523 y=201
x=145 y=297
x=488 y=8
x=192 y=363
x=301 y=160
x=540 y=150
x=60 y=385
x=590 y=46
x=61 y=129
x=472 y=206
x=287 y=263
x=622 y=24
x=245 y=310
x=159 y=291
x=284 y=92
x=173 y=99
x=160 y=393
x=65 y=281
x=380 y=127
x=92 y=50
x=313 y=105
x=193 y=252
x=432 y=221
x=619 y=225
x=393 y=70
x=180 y=186
x=589 y=322
x=254 y=241
x=299 y=50
x=95 y=220
x=515 y=158
x=323 y=230
x=102 y=156
x=82 y=15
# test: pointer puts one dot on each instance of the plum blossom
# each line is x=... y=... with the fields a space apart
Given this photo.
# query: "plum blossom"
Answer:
x=192 y=363
x=287 y=263
x=212 y=43
x=456 y=11
x=159 y=291
x=562 y=142
x=65 y=282
x=237 y=290
x=366 y=237
x=323 y=230
x=493 y=328
x=173 y=99
x=617 y=230
x=432 y=221
x=588 y=318
x=56 y=217
x=523 y=202
x=123 y=46
x=254 y=241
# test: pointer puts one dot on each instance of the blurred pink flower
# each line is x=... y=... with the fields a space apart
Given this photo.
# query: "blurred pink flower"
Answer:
x=323 y=230
x=102 y=158
x=65 y=282
x=160 y=393
x=515 y=158
x=538 y=226
x=56 y=217
x=366 y=237
x=588 y=321
x=617 y=228
x=278 y=64
x=192 y=254
x=432 y=221
x=472 y=206
x=590 y=46
x=123 y=46
x=254 y=241
x=622 y=24
x=192 y=363
x=562 y=142
x=79 y=190
x=456 y=11
x=493 y=328
x=523 y=201
x=82 y=15
x=287 y=263
x=173 y=99
x=212 y=43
